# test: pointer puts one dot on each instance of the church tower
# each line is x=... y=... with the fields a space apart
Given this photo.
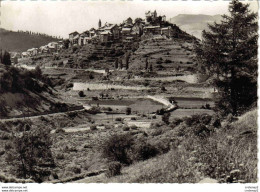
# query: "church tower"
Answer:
x=99 y=23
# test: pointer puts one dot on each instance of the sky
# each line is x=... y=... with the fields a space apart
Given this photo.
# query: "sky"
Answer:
x=60 y=17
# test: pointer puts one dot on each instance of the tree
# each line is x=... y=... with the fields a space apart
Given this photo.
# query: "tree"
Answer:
x=146 y=63
x=166 y=117
x=120 y=64
x=66 y=43
x=128 y=111
x=31 y=155
x=151 y=68
x=6 y=58
x=228 y=52
x=127 y=57
x=116 y=63
x=138 y=20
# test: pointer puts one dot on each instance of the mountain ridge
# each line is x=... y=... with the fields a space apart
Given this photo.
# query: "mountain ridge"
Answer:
x=194 y=24
x=21 y=41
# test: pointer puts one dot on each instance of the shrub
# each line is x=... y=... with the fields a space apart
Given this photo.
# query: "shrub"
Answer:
x=133 y=118
x=154 y=116
x=114 y=168
x=4 y=136
x=72 y=114
x=59 y=130
x=117 y=148
x=126 y=128
x=32 y=162
x=75 y=169
x=163 y=88
x=144 y=151
x=134 y=127
x=118 y=119
x=160 y=111
x=166 y=117
x=128 y=111
x=231 y=118
x=81 y=94
x=167 y=61
x=157 y=132
x=93 y=127
x=2 y=153
x=69 y=85
x=60 y=156
x=176 y=122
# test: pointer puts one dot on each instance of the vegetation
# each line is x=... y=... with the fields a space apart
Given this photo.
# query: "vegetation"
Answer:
x=30 y=154
x=21 y=41
x=224 y=54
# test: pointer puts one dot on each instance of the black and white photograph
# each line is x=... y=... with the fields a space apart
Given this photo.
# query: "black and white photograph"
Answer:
x=142 y=92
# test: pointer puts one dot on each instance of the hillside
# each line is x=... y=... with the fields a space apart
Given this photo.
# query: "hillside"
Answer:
x=227 y=154
x=20 y=41
x=194 y=24
x=28 y=93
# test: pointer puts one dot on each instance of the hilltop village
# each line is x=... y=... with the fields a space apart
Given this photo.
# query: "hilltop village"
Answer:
x=128 y=31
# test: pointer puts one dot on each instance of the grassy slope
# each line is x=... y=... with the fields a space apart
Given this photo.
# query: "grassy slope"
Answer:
x=225 y=150
x=165 y=52
x=14 y=41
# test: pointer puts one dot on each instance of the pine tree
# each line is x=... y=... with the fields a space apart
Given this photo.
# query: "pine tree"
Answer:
x=151 y=68
x=116 y=63
x=6 y=58
x=146 y=64
x=127 y=61
x=229 y=53
x=120 y=64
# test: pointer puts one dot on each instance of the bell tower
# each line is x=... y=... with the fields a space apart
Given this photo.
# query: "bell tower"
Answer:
x=99 y=23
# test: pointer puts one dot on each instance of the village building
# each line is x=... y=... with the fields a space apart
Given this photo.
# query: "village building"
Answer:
x=25 y=54
x=137 y=29
x=126 y=32
x=105 y=36
x=155 y=30
x=150 y=16
x=74 y=38
x=92 y=32
x=84 y=38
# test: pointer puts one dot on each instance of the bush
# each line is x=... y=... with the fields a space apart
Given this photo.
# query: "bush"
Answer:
x=160 y=111
x=166 y=117
x=117 y=148
x=118 y=119
x=144 y=151
x=133 y=118
x=81 y=94
x=128 y=111
x=157 y=132
x=114 y=168
x=163 y=88
x=167 y=61
x=126 y=128
x=75 y=169
x=134 y=127
x=93 y=127
x=176 y=122
x=60 y=156
x=4 y=136
x=59 y=130
x=2 y=153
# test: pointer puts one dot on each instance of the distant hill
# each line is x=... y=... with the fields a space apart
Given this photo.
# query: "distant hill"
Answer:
x=194 y=24
x=21 y=41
